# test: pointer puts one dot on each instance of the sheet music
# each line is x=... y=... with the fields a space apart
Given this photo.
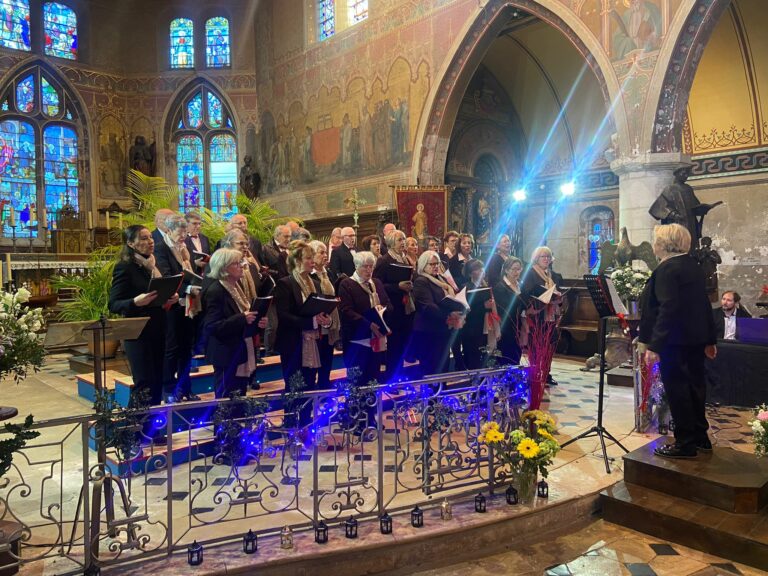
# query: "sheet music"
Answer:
x=461 y=298
x=618 y=305
x=546 y=297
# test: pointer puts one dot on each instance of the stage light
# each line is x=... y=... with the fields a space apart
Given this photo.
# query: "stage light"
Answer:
x=568 y=188
x=519 y=195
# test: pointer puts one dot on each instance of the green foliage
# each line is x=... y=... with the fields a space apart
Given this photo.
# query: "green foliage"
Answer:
x=22 y=433
x=21 y=348
x=120 y=426
x=150 y=194
x=239 y=437
x=90 y=291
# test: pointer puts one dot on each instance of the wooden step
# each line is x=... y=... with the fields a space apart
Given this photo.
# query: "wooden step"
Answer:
x=620 y=376
x=86 y=387
x=727 y=479
x=739 y=537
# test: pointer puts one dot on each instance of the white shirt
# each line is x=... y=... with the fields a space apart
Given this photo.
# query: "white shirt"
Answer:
x=730 y=326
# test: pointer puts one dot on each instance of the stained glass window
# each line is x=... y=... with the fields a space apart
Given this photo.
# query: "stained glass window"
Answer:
x=217 y=51
x=50 y=98
x=25 y=94
x=214 y=111
x=189 y=159
x=60 y=23
x=60 y=163
x=182 y=43
x=14 y=24
x=357 y=11
x=18 y=178
x=326 y=19
x=195 y=111
x=223 y=151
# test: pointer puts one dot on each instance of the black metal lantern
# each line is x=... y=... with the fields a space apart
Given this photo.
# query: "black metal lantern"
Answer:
x=350 y=528
x=417 y=517
x=195 y=554
x=480 y=503
x=542 y=490
x=511 y=495
x=250 y=542
x=321 y=532
x=385 y=523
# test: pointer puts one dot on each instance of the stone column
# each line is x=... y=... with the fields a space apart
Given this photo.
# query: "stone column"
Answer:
x=641 y=180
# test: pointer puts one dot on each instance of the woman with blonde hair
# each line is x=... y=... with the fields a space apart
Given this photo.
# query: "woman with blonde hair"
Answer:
x=331 y=335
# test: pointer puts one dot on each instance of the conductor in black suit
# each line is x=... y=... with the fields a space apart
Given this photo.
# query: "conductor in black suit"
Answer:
x=342 y=261
x=678 y=331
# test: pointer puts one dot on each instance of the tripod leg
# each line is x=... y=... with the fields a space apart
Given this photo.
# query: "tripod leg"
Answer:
x=600 y=433
x=619 y=444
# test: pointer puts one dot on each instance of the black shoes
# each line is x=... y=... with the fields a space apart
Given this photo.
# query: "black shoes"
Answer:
x=704 y=445
x=675 y=451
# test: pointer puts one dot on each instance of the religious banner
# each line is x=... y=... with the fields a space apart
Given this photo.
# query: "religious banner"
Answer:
x=422 y=210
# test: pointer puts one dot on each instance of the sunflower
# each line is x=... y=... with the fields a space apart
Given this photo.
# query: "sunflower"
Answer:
x=545 y=434
x=493 y=436
x=528 y=449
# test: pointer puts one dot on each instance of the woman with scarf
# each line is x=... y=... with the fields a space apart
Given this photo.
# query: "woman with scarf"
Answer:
x=390 y=269
x=229 y=325
x=128 y=297
x=299 y=338
x=481 y=329
x=437 y=321
x=412 y=251
x=509 y=305
x=331 y=335
x=172 y=259
x=503 y=251
x=463 y=254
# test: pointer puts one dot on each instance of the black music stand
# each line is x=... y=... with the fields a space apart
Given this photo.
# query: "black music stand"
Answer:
x=600 y=292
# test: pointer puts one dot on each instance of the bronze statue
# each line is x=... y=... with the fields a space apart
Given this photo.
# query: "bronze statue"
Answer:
x=708 y=259
x=142 y=156
x=678 y=204
x=622 y=254
x=250 y=180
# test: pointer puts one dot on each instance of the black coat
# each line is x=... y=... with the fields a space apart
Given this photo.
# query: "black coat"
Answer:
x=493 y=269
x=205 y=246
x=355 y=309
x=342 y=261
x=276 y=260
x=223 y=328
x=719 y=318
x=287 y=301
x=384 y=272
x=532 y=284
x=128 y=281
x=456 y=268
x=430 y=314
x=676 y=309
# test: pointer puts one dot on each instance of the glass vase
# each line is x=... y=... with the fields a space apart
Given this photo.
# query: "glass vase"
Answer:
x=526 y=481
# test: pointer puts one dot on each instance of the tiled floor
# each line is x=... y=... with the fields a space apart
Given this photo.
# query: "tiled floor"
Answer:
x=600 y=549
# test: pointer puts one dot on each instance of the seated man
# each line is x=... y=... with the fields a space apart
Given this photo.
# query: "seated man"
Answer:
x=725 y=316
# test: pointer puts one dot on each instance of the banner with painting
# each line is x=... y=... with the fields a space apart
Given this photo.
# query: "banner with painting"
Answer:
x=422 y=211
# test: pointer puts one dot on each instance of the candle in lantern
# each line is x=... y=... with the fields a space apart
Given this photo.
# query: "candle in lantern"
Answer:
x=120 y=220
x=90 y=220
x=12 y=217
x=107 y=219
x=44 y=216
x=8 y=264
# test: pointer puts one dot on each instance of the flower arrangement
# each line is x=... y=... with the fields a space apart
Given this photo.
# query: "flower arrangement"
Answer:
x=527 y=450
x=21 y=349
x=760 y=430
x=629 y=282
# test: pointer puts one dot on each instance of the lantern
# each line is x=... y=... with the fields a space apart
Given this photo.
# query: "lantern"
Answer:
x=195 y=554
x=511 y=495
x=286 y=538
x=417 y=517
x=542 y=490
x=480 y=503
x=385 y=523
x=321 y=533
x=446 y=510
x=350 y=528
x=250 y=542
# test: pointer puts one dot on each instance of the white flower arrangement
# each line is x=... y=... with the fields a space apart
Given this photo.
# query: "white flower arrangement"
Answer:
x=21 y=347
x=759 y=427
x=629 y=282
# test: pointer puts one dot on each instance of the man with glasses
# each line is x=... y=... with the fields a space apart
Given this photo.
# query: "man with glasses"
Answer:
x=196 y=241
x=342 y=258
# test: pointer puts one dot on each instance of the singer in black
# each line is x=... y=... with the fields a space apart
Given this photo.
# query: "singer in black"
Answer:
x=678 y=331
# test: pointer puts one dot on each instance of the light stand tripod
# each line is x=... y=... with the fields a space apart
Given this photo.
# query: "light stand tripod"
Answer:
x=598 y=289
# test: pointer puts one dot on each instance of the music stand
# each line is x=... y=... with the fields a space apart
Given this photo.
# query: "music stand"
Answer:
x=603 y=297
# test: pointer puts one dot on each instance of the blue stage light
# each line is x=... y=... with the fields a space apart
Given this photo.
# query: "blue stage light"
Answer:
x=568 y=188
x=519 y=195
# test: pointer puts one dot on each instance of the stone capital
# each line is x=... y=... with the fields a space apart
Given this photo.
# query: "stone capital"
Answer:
x=650 y=162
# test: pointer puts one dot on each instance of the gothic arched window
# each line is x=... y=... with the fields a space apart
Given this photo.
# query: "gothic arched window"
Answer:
x=357 y=11
x=60 y=25
x=217 y=51
x=596 y=225
x=38 y=152
x=326 y=19
x=206 y=152
x=14 y=28
x=182 y=43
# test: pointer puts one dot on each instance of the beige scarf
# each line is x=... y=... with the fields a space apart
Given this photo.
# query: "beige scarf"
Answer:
x=247 y=284
x=370 y=288
x=438 y=281
x=326 y=287
x=247 y=368
x=147 y=263
x=310 y=354
x=544 y=275
x=179 y=251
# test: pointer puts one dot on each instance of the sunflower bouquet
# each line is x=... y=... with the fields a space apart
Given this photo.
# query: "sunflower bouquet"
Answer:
x=527 y=450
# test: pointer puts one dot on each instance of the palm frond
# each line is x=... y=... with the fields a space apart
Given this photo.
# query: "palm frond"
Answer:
x=150 y=194
x=90 y=291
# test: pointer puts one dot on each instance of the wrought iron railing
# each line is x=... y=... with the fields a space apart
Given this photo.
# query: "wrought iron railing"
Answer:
x=80 y=493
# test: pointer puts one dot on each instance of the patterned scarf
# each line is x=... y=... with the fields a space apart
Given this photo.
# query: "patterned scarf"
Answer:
x=439 y=281
x=310 y=354
x=408 y=302
x=148 y=263
x=247 y=368
x=326 y=287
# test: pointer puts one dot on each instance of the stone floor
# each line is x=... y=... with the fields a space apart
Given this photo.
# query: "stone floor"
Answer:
x=579 y=470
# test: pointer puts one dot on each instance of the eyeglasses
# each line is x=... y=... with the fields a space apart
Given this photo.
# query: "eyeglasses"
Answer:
x=433 y=263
